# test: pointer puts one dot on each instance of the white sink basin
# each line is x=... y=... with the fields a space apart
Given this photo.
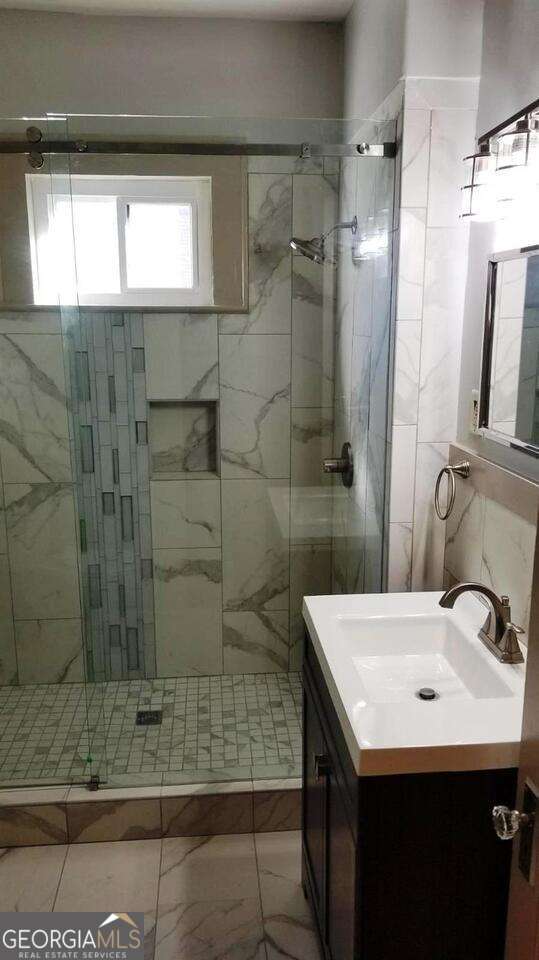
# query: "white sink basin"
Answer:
x=396 y=656
x=378 y=651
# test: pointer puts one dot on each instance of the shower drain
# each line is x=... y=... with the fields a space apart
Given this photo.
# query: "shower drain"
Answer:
x=146 y=718
x=427 y=693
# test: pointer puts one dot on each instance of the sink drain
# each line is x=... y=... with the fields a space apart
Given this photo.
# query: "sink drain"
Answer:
x=427 y=693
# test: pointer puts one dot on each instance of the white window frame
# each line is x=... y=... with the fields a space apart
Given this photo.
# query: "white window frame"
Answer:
x=43 y=190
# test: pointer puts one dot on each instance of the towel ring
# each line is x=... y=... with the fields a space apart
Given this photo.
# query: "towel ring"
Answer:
x=462 y=469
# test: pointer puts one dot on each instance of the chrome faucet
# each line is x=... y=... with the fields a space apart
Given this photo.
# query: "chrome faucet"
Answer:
x=497 y=633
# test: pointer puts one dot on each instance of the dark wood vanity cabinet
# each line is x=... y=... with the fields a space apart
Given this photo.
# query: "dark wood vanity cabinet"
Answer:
x=399 y=867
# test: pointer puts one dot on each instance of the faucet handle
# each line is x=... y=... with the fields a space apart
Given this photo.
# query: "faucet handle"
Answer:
x=509 y=648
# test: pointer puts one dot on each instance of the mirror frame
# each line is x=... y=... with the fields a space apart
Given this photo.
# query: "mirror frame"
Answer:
x=486 y=359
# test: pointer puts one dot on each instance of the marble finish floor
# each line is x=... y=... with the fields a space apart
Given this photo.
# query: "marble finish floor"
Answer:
x=203 y=898
x=238 y=727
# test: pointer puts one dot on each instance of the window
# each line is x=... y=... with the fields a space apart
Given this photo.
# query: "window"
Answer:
x=128 y=241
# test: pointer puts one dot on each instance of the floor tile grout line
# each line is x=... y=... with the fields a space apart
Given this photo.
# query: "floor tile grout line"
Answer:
x=257 y=862
x=158 y=887
x=64 y=861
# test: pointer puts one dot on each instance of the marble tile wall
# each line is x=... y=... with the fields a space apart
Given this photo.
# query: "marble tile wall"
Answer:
x=438 y=129
x=181 y=358
x=492 y=541
x=53 y=816
x=40 y=618
x=229 y=538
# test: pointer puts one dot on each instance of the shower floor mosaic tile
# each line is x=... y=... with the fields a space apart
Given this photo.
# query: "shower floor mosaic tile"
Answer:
x=229 y=727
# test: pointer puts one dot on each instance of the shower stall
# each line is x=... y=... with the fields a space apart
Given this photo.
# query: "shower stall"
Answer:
x=194 y=315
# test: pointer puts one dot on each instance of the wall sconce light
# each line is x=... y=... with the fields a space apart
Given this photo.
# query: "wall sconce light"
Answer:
x=519 y=146
x=504 y=169
x=477 y=197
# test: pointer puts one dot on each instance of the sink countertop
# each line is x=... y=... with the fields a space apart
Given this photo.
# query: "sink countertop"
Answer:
x=376 y=650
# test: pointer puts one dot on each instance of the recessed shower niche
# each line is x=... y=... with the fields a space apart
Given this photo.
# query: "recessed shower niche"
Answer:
x=183 y=439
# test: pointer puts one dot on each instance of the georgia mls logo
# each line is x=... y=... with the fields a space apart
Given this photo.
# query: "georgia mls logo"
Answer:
x=118 y=916
x=72 y=936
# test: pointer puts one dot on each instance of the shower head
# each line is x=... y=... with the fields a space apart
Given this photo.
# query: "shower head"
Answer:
x=312 y=249
x=315 y=249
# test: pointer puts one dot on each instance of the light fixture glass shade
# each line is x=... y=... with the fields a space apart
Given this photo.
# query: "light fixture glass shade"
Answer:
x=512 y=150
x=518 y=147
x=477 y=193
x=467 y=201
x=479 y=202
x=483 y=167
x=516 y=184
x=468 y=170
x=503 y=176
x=533 y=142
x=479 y=166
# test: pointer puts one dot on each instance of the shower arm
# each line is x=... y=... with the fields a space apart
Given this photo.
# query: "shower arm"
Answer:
x=343 y=225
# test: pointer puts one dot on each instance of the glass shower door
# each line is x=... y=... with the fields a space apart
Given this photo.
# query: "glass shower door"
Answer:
x=363 y=362
x=65 y=218
x=192 y=513
x=208 y=514
x=44 y=717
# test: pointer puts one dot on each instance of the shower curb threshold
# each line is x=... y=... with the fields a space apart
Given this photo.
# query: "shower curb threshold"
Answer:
x=46 y=815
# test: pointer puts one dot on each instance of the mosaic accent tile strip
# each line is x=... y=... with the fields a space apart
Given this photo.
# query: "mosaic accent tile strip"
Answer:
x=109 y=411
x=237 y=723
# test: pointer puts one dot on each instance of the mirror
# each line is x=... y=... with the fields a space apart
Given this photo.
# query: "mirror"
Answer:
x=509 y=402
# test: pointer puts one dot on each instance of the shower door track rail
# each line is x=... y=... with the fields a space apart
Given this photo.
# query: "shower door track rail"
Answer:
x=92 y=784
x=36 y=148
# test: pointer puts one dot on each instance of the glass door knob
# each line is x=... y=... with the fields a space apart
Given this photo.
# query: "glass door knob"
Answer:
x=508 y=822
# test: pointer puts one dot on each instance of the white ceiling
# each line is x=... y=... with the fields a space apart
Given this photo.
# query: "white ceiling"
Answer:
x=249 y=9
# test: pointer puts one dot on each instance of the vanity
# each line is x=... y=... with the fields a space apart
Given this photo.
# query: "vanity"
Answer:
x=400 y=858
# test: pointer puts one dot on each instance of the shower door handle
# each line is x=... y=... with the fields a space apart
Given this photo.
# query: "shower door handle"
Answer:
x=321 y=767
x=343 y=465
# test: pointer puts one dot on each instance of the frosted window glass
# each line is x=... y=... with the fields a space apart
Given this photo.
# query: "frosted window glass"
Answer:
x=159 y=245
x=95 y=229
